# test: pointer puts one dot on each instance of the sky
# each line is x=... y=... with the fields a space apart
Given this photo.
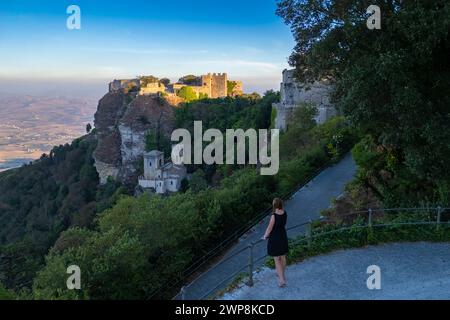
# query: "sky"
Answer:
x=124 y=39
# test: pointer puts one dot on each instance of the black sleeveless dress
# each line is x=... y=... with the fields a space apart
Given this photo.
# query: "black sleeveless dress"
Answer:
x=278 y=241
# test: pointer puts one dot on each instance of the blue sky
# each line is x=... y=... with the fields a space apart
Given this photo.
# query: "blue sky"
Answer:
x=120 y=39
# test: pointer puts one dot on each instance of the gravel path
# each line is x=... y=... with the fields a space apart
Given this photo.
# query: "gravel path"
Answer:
x=408 y=271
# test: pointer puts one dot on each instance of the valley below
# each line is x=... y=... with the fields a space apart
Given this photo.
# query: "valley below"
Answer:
x=32 y=125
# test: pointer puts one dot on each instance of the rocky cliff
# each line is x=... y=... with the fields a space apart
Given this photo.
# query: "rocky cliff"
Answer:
x=122 y=122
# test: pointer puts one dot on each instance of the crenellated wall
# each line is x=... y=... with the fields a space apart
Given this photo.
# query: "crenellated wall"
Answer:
x=214 y=85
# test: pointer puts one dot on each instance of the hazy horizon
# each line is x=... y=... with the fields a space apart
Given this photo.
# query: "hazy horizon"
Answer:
x=40 y=55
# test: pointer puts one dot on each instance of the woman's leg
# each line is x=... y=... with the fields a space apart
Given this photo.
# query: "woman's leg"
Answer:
x=283 y=264
x=279 y=268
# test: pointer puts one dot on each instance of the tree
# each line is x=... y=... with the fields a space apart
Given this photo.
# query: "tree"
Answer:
x=190 y=80
x=147 y=79
x=391 y=83
x=165 y=81
x=303 y=117
x=156 y=140
x=198 y=181
x=230 y=87
x=6 y=294
x=187 y=93
x=88 y=128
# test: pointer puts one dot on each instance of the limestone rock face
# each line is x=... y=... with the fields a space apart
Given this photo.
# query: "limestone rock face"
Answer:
x=122 y=122
x=294 y=94
x=107 y=153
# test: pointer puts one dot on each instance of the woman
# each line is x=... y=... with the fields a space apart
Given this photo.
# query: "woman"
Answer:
x=277 y=246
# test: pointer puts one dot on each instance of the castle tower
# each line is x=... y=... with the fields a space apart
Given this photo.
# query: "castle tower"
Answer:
x=153 y=162
x=207 y=83
x=219 y=85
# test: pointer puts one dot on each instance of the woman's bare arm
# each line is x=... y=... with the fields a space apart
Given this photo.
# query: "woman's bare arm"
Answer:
x=269 y=227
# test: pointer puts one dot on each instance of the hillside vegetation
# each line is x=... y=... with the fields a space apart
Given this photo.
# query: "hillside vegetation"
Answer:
x=132 y=247
x=391 y=83
x=40 y=200
x=144 y=244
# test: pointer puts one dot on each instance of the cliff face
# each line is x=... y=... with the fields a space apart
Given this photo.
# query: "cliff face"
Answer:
x=122 y=122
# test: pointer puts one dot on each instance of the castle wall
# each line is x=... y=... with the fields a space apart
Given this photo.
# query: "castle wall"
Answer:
x=152 y=88
x=213 y=85
x=198 y=90
x=117 y=85
x=207 y=83
x=294 y=94
x=219 y=85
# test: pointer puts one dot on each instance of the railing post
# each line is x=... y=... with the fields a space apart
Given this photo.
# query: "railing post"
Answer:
x=183 y=293
x=250 y=266
x=438 y=218
x=309 y=233
x=370 y=218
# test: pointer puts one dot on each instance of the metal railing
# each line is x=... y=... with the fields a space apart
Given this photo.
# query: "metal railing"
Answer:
x=368 y=215
x=235 y=235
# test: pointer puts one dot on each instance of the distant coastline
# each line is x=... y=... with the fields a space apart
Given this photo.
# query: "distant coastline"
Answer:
x=13 y=163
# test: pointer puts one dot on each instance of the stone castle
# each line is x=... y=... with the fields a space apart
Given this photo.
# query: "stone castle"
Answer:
x=294 y=94
x=209 y=85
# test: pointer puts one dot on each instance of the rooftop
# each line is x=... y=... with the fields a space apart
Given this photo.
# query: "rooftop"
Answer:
x=153 y=153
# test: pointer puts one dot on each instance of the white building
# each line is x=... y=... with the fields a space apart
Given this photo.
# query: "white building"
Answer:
x=294 y=94
x=160 y=176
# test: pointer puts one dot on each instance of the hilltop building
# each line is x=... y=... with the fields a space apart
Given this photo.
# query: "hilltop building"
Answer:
x=293 y=94
x=213 y=85
x=160 y=176
x=152 y=88
x=117 y=85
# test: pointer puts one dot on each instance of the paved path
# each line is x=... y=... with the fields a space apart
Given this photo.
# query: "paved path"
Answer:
x=408 y=271
x=306 y=204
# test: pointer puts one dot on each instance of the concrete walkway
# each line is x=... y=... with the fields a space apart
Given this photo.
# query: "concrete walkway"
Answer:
x=306 y=204
x=408 y=271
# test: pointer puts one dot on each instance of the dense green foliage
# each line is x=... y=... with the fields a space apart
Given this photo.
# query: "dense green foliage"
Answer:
x=391 y=83
x=165 y=81
x=154 y=140
x=130 y=247
x=224 y=113
x=190 y=79
x=40 y=200
x=144 y=243
x=243 y=112
x=230 y=86
x=6 y=294
x=187 y=93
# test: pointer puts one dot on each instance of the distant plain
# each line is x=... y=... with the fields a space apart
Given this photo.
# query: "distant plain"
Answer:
x=32 y=125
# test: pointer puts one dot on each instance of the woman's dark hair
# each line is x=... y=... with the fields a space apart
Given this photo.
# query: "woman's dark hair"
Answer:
x=277 y=203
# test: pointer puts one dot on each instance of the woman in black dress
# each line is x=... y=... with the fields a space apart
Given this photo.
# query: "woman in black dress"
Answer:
x=277 y=246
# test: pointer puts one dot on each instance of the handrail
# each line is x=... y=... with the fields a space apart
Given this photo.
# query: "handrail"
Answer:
x=195 y=266
x=437 y=210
